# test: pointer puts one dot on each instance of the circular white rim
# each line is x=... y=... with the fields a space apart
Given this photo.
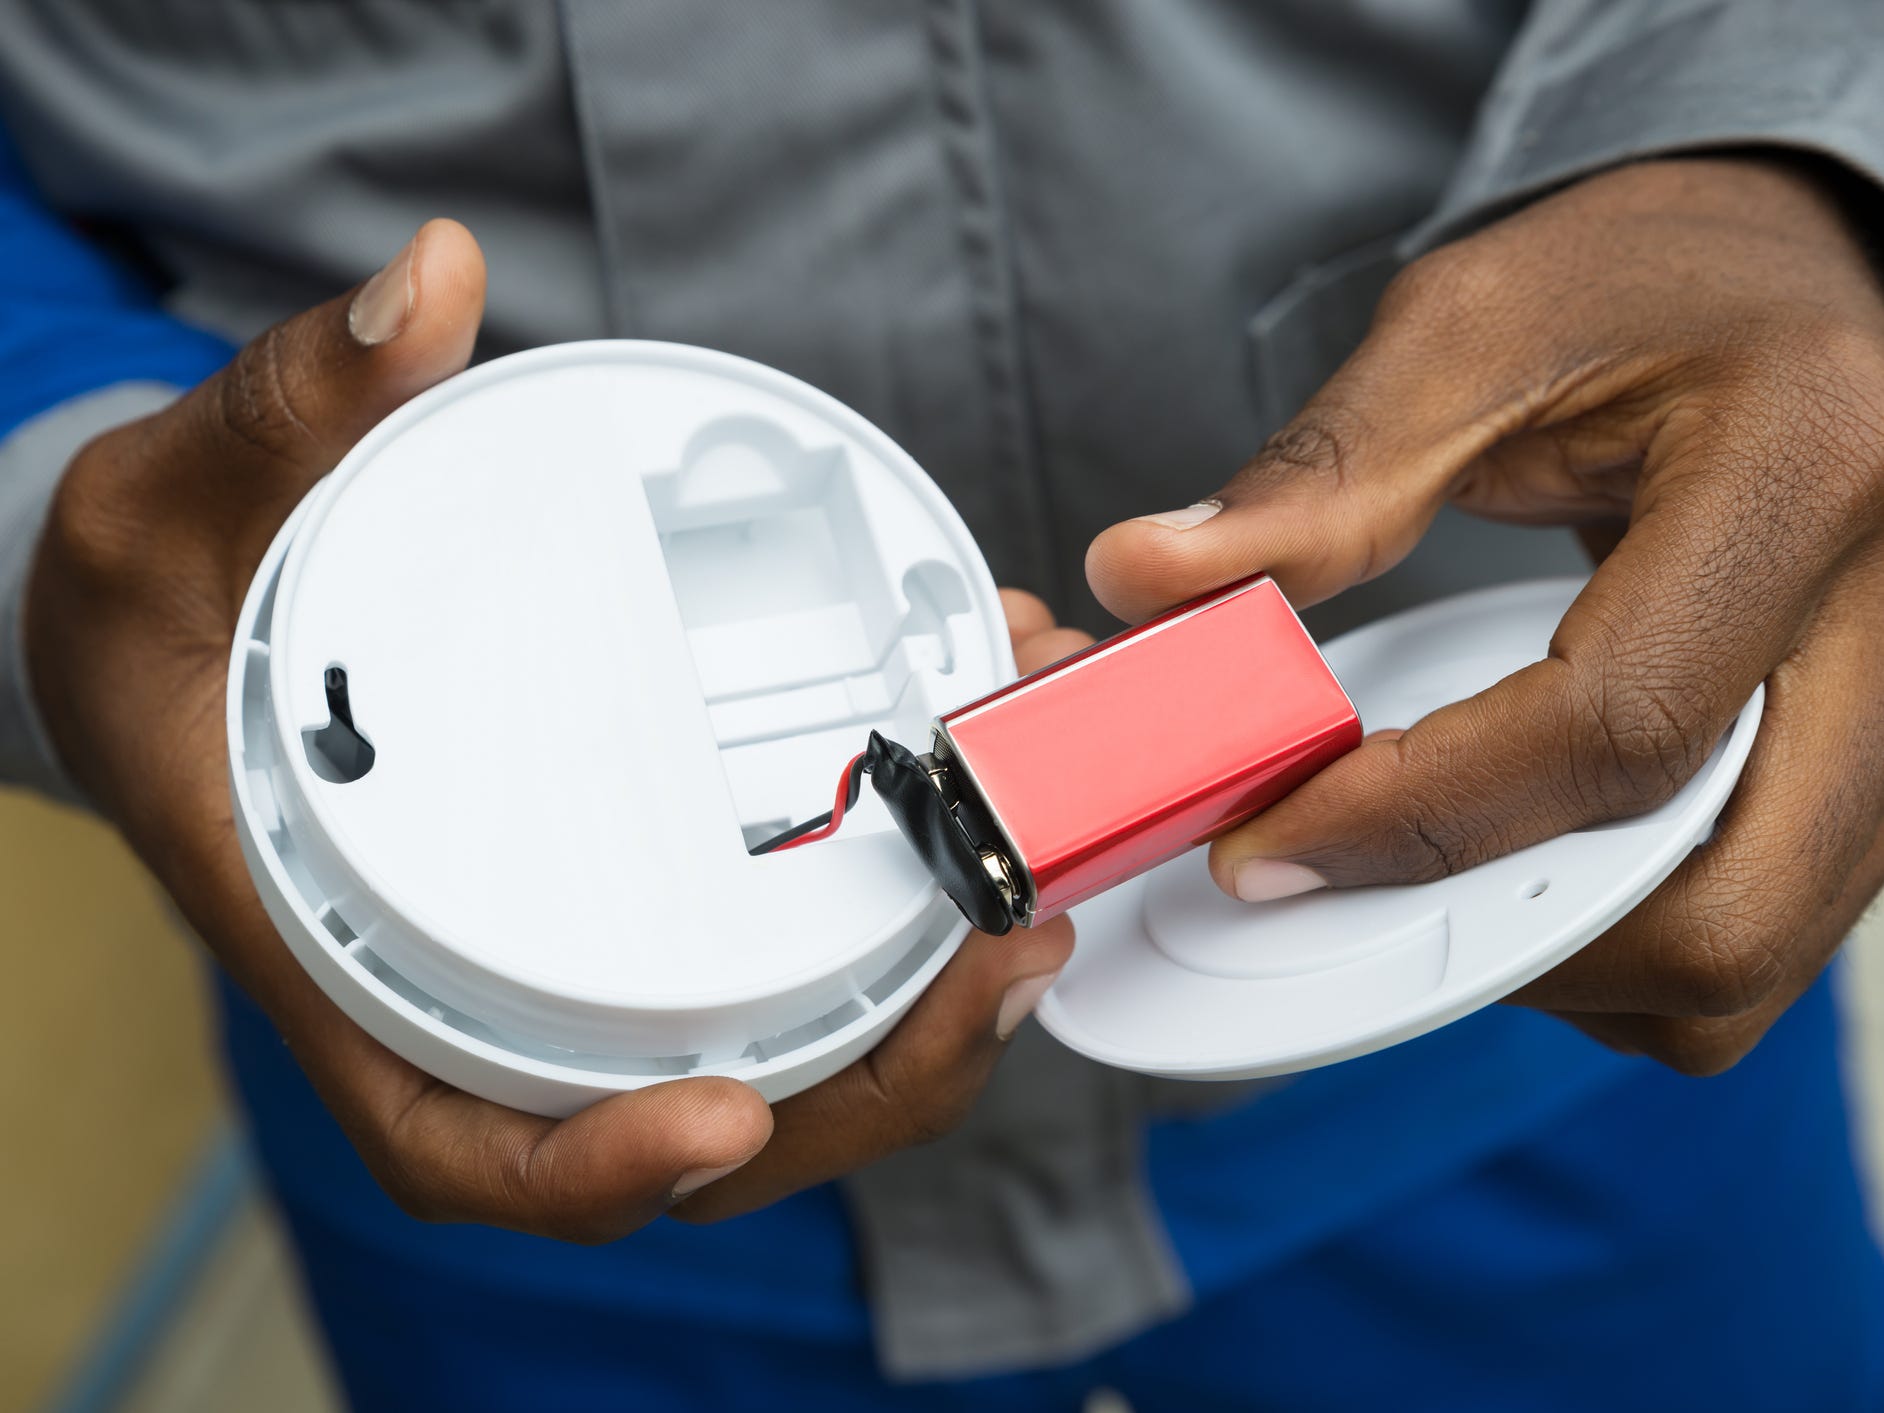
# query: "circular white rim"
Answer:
x=1114 y=939
x=430 y=1039
x=457 y=949
x=520 y=1070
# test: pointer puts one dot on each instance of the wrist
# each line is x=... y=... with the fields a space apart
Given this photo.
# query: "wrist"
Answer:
x=34 y=459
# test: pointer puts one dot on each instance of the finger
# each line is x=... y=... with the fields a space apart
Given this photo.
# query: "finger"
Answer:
x=1045 y=649
x=1749 y=919
x=1026 y=613
x=1708 y=1045
x=296 y=399
x=915 y=1086
x=1649 y=666
x=449 y=1156
x=1345 y=490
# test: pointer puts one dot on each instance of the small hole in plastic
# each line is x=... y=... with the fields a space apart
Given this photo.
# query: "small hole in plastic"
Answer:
x=1536 y=888
x=339 y=752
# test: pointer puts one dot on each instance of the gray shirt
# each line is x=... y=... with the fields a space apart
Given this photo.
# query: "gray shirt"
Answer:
x=1079 y=256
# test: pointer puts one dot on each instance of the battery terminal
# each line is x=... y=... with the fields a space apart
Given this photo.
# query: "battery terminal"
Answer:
x=995 y=864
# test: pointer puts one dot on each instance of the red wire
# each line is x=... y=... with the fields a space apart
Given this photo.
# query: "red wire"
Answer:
x=837 y=810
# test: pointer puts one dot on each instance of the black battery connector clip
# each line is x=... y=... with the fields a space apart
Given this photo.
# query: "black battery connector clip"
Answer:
x=910 y=792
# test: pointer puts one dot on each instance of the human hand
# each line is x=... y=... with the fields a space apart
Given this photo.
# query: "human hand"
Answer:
x=155 y=534
x=1687 y=358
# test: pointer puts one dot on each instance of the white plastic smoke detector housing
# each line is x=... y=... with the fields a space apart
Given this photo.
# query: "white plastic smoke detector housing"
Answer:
x=518 y=685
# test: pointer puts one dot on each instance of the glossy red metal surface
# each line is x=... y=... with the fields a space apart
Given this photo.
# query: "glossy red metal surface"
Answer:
x=1114 y=760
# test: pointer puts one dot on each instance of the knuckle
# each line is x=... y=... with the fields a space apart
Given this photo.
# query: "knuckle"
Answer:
x=1428 y=847
x=1318 y=455
x=1318 y=441
x=1454 y=278
x=259 y=398
x=1639 y=745
x=1317 y=449
x=1716 y=969
x=1700 y=1049
x=1432 y=832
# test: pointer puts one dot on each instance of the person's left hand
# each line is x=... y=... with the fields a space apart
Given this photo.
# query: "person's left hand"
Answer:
x=152 y=541
x=1689 y=351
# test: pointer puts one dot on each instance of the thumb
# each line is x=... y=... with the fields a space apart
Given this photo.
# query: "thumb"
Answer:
x=296 y=399
x=1340 y=495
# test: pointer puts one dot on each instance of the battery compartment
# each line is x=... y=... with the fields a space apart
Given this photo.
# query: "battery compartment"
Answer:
x=847 y=635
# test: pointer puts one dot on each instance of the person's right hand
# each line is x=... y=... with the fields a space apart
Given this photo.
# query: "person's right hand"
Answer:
x=154 y=536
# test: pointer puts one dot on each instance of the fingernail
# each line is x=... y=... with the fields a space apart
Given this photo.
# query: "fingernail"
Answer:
x=1187 y=518
x=384 y=303
x=1019 y=1003
x=692 y=1182
x=1265 y=880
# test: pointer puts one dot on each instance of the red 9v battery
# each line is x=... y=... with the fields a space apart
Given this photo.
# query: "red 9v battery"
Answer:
x=1111 y=761
x=1107 y=763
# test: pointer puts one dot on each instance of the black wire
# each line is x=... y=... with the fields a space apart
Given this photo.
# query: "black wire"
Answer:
x=797 y=831
x=811 y=826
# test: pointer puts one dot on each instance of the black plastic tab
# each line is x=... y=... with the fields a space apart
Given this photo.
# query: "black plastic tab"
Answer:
x=935 y=834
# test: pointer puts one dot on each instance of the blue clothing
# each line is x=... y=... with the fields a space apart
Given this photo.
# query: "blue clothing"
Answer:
x=1501 y=1213
x=71 y=319
x=1653 y=1242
